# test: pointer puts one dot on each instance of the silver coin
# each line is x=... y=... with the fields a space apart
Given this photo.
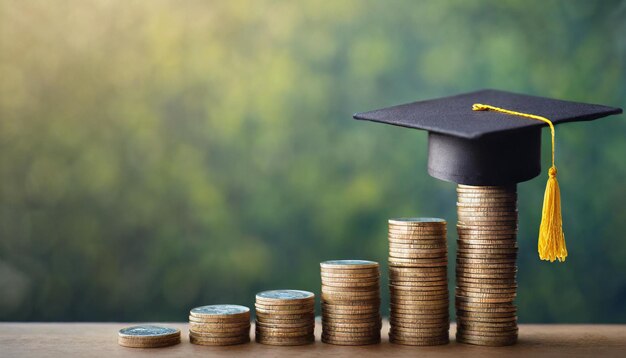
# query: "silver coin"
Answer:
x=285 y=295
x=220 y=310
x=148 y=331
x=417 y=221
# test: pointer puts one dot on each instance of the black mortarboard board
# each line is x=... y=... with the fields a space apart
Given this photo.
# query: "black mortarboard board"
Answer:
x=485 y=148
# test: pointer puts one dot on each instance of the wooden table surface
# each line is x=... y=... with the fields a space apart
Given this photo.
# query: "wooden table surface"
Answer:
x=100 y=340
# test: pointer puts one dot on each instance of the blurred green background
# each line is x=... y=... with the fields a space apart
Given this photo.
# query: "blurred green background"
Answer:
x=158 y=155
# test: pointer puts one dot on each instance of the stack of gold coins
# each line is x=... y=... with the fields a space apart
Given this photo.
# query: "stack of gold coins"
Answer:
x=219 y=325
x=285 y=317
x=486 y=265
x=418 y=282
x=148 y=336
x=350 y=302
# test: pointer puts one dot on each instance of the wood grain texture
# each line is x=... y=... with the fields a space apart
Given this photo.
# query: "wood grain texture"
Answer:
x=100 y=340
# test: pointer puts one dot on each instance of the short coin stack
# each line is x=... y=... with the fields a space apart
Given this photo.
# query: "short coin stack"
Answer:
x=486 y=265
x=418 y=282
x=219 y=325
x=148 y=336
x=350 y=302
x=285 y=317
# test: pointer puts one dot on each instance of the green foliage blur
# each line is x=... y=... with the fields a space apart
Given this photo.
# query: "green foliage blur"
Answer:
x=159 y=155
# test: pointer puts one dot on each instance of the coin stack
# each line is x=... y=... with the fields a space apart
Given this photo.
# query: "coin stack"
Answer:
x=219 y=325
x=285 y=317
x=148 y=336
x=486 y=265
x=418 y=282
x=350 y=302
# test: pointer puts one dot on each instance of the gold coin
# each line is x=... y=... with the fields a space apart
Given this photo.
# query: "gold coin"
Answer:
x=478 y=261
x=419 y=312
x=473 y=331
x=341 y=324
x=130 y=343
x=395 y=320
x=486 y=308
x=418 y=333
x=401 y=261
x=403 y=245
x=414 y=254
x=486 y=266
x=488 y=299
x=427 y=285
x=414 y=270
x=332 y=329
x=284 y=332
x=352 y=312
x=351 y=335
x=351 y=285
x=214 y=334
x=356 y=305
x=487 y=251
x=506 y=245
x=488 y=224
x=486 y=256
x=350 y=275
x=417 y=232
x=298 y=316
x=285 y=341
x=489 y=322
x=491 y=276
x=285 y=322
x=419 y=341
x=350 y=342
x=484 y=232
x=203 y=328
x=290 y=312
x=219 y=341
x=487 y=238
x=225 y=324
x=509 y=290
x=414 y=276
x=345 y=298
x=488 y=327
x=298 y=324
x=507 y=206
x=510 y=188
x=354 y=274
x=298 y=306
x=492 y=198
x=488 y=209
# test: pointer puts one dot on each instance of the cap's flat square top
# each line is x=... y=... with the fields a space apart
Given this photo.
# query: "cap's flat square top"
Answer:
x=454 y=115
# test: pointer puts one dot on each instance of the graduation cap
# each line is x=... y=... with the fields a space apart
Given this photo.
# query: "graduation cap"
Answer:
x=493 y=138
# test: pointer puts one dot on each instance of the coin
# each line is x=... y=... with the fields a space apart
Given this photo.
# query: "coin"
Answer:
x=148 y=336
x=348 y=264
x=285 y=341
x=417 y=221
x=350 y=342
x=419 y=342
x=220 y=312
x=283 y=297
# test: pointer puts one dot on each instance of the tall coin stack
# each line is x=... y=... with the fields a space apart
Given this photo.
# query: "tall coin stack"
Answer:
x=285 y=317
x=418 y=281
x=350 y=302
x=486 y=265
x=219 y=325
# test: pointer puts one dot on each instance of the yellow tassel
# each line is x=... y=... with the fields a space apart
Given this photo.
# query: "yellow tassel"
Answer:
x=551 y=238
x=551 y=244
